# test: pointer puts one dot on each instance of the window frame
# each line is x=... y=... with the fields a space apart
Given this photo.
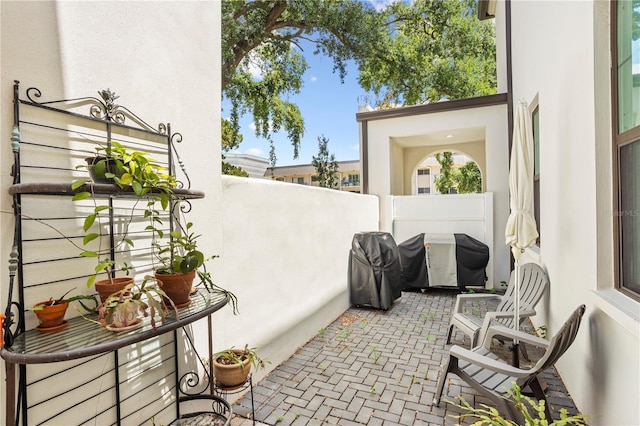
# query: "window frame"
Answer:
x=536 y=166
x=618 y=141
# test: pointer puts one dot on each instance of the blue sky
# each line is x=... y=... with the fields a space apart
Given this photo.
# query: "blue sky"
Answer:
x=328 y=107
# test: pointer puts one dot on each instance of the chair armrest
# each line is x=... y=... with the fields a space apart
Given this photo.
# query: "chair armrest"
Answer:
x=499 y=330
x=461 y=299
x=482 y=361
x=491 y=317
x=524 y=313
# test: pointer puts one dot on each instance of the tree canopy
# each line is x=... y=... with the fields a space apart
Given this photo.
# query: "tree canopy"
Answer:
x=409 y=53
x=465 y=179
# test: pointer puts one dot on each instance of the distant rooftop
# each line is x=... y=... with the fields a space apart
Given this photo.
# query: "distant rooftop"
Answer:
x=309 y=169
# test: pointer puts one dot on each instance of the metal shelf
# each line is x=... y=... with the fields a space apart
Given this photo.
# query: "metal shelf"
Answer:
x=98 y=189
x=83 y=338
x=49 y=142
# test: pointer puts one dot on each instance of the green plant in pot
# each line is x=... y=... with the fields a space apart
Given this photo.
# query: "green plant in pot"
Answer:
x=129 y=170
x=51 y=312
x=126 y=308
x=231 y=367
x=179 y=260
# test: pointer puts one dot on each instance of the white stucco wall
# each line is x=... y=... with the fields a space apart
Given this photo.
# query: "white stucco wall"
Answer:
x=286 y=251
x=386 y=158
x=145 y=52
x=561 y=55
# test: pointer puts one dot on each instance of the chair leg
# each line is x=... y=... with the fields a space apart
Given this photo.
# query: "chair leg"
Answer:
x=449 y=333
x=538 y=392
x=523 y=349
x=474 y=339
x=441 y=379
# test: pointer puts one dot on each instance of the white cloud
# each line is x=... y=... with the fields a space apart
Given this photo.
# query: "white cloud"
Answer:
x=314 y=79
x=254 y=151
x=251 y=63
x=355 y=147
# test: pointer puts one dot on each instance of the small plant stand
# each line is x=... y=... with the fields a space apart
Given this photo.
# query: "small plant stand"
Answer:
x=223 y=391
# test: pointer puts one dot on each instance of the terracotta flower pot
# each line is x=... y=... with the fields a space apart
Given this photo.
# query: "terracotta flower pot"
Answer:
x=234 y=375
x=106 y=288
x=177 y=287
x=51 y=316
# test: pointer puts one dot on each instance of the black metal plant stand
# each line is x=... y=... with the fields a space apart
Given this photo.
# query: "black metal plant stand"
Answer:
x=48 y=140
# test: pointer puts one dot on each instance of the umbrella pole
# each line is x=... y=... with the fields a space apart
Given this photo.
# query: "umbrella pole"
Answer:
x=516 y=313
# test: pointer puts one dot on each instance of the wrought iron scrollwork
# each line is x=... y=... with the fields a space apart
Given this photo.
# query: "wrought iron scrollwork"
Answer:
x=110 y=110
x=173 y=140
x=9 y=316
x=33 y=92
x=189 y=383
x=103 y=108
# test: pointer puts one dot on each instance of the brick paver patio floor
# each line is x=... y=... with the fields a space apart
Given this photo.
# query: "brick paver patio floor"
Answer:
x=373 y=367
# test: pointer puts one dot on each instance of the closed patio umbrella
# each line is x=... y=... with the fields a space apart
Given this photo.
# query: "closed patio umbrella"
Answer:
x=520 y=232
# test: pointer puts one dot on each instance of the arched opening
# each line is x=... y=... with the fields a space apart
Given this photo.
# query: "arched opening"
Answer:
x=468 y=175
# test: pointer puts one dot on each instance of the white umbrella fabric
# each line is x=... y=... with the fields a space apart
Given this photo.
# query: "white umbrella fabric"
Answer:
x=520 y=232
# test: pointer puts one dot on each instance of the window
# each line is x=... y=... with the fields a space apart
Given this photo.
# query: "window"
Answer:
x=424 y=172
x=354 y=180
x=535 y=121
x=626 y=144
x=424 y=190
x=299 y=180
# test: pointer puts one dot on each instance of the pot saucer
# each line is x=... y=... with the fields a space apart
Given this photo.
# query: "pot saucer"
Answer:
x=64 y=325
x=183 y=305
x=129 y=327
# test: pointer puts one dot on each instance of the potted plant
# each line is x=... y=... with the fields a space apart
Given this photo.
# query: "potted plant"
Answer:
x=179 y=259
x=148 y=180
x=231 y=367
x=51 y=312
x=179 y=262
x=126 y=308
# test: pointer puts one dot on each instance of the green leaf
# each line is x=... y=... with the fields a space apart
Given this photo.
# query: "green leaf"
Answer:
x=103 y=265
x=81 y=196
x=90 y=237
x=101 y=208
x=126 y=179
x=164 y=201
x=128 y=241
x=137 y=188
x=191 y=262
x=100 y=168
x=78 y=183
x=88 y=221
x=91 y=280
x=89 y=254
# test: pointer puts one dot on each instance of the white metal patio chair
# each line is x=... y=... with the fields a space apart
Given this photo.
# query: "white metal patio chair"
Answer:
x=534 y=282
x=492 y=377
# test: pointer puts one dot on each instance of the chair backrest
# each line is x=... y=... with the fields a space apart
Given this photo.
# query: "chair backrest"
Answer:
x=560 y=342
x=534 y=282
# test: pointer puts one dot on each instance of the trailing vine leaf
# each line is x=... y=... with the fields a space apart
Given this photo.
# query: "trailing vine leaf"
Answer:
x=81 y=196
x=90 y=237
